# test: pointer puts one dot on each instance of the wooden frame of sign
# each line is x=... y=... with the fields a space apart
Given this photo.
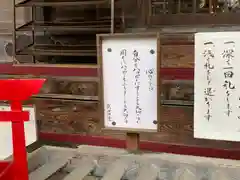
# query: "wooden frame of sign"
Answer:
x=114 y=47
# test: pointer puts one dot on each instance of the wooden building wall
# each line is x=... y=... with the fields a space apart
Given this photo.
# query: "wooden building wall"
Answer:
x=68 y=102
x=67 y=107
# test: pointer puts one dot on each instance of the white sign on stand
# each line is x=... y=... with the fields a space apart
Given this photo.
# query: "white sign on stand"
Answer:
x=30 y=128
x=129 y=79
x=217 y=86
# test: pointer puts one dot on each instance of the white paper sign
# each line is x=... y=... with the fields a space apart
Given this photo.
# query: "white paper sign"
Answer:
x=217 y=86
x=129 y=68
x=6 y=149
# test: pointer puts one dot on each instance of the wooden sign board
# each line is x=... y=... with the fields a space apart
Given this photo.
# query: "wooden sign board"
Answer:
x=129 y=69
x=6 y=149
x=217 y=86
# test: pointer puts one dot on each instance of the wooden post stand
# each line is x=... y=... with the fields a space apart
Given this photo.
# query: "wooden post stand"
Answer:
x=16 y=91
x=132 y=142
x=129 y=93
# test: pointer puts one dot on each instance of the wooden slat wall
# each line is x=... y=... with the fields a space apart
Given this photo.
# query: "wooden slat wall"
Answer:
x=68 y=111
x=69 y=105
x=75 y=117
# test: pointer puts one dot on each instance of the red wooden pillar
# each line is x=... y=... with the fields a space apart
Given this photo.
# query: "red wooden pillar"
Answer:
x=16 y=91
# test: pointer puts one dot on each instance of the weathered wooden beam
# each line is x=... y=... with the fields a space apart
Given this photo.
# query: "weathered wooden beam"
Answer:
x=84 y=167
x=48 y=169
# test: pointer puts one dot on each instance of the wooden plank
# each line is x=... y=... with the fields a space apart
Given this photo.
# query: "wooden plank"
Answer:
x=177 y=103
x=176 y=120
x=67 y=116
x=132 y=141
x=48 y=169
x=83 y=169
x=55 y=85
x=67 y=97
x=177 y=56
x=37 y=158
x=73 y=117
x=147 y=172
x=203 y=20
x=116 y=170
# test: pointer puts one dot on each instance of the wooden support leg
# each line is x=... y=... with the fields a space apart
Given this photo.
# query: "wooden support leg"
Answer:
x=132 y=141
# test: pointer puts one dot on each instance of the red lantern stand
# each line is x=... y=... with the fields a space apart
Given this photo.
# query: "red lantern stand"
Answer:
x=16 y=91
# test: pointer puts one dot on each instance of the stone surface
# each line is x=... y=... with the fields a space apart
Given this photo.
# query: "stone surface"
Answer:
x=117 y=164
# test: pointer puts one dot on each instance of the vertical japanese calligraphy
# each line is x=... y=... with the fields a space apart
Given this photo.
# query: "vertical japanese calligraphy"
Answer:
x=209 y=57
x=150 y=73
x=228 y=56
x=129 y=79
x=109 y=112
x=123 y=54
x=137 y=71
x=217 y=86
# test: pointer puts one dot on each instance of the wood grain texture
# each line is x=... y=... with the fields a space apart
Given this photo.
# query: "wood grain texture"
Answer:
x=177 y=56
x=69 y=117
x=74 y=117
x=70 y=86
x=64 y=116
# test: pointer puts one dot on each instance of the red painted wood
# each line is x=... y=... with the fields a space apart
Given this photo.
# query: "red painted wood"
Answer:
x=166 y=73
x=14 y=116
x=17 y=91
x=4 y=164
x=149 y=146
x=19 y=145
x=6 y=172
